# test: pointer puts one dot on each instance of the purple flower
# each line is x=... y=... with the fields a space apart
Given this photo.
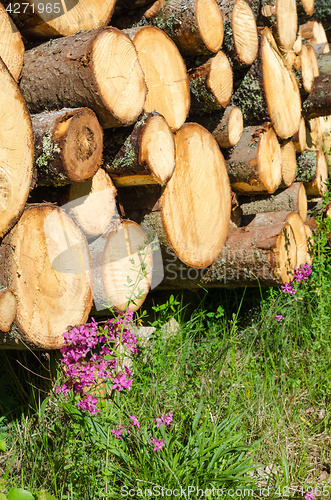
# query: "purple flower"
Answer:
x=309 y=496
x=121 y=382
x=278 y=317
x=163 y=420
x=89 y=404
x=117 y=433
x=135 y=421
x=158 y=445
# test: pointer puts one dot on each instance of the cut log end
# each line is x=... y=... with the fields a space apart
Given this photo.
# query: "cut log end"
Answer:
x=16 y=145
x=42 y=24
x=8 y=307
x=92 y=204
x=300 y=137
x=289 y=163
x=11 y=44
x=281 y=89
x=287 y=22
x=307 y=69
x=122 y=84
x=300 y=236
x=47 y=264
x=123 y=264
x=244 y=32
x=269 y=160
x=82 y=145
x=198 y=191
x=210 y=24
x=308 y=6
x=157 y=149
x=220 y=80
x=165 y=75
x=230 y=128
x=286 y=254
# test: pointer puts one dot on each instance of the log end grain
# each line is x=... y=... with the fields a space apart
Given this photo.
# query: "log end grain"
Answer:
x=119 y=75
x=92 y=204
x=210 y=24
x=229 y=130
x=16 y=145
x=8 y=307
x=244 y=32
x=82 y=145
x=289 y=163
x=47 y=265
x=196 y=203
x=281 y=89
x=165 y=75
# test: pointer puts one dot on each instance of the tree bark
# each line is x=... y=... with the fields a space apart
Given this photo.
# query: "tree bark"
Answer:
x=230 y=128
x=41 y=21
x=122 y=262
x=264 y=96
x=255 y=163
x=264 y=256
x=196 y=202
x=297 y=226
x=211 y=85
x=312 y=170
x=196 y=26
x=92 y=204
x=11 y=44
x=318 y=102
x=165 y=75
x=147 y=155
x=240 y=31
x=16 y=144
x=73 y=72
x=292 y=198
x=45 y=261
x=324 y=65
x=68 y=146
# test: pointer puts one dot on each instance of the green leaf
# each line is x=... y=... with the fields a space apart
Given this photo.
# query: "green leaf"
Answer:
x=3 y=496
x=2 y=443
x=197 y=417
x=43 y=495
x=19 y=494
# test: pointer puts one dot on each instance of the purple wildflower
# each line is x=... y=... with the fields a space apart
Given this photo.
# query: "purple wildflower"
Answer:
x=117 y=433
x=309 y=496
x=278 y=317
x=83 y=355
x=121 y=382
x=89 y=404
x=158 y=445
x=164 y=420
x=135 y=421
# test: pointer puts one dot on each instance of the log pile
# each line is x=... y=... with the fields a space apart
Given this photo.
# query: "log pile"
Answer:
x=192 y=130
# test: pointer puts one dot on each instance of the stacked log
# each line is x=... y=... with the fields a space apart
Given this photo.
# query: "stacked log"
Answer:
x=203 y=124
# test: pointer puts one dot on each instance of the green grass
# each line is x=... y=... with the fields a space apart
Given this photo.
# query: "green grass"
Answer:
x=250 y=398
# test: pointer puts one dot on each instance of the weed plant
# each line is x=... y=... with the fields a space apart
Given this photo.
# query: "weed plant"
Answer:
x=249 y=393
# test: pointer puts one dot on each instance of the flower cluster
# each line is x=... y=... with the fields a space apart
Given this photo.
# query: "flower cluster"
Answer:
x=300 y=274
x=164 y=420
x=89 y=355
x=158 y=445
